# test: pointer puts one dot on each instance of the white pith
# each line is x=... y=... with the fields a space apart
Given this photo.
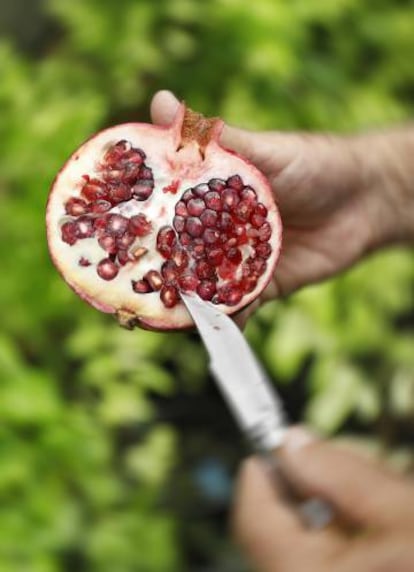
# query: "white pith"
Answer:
x=187 y=166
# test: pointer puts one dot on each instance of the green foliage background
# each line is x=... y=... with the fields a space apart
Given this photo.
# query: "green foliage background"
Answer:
x=116 y=454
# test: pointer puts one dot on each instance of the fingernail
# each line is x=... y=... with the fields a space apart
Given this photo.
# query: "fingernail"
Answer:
x=298 y=438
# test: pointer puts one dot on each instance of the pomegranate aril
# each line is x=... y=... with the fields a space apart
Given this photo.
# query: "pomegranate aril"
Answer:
x=215 y=256
x=243 y=210
x=188 y=281
x=94 y=190
x=76 y=207
x=108 y=243
x=265 y=232
x=141 y=286
x=139 y=225
x=165 y=240
x=84 y=226
x=230 y=199
x=115 y=152
x=263 y=249
x=212 y=200
x=200 y=190
x=169 y=296
x=181 y=209
x=240 y=233
x=195 y=207
x=154 y=279
x=169 y=271
x=123 y=257
x=197 y=250
x=204 y=270
x=211 y=236
x=142 y=190
x=230 y=294
x=146 y=174
x=179 y=223
x=116 y=225
x=225 y=221
x=257 y=220
x=69 y=232
x=257 y=265
x=260 y=210
x=84 y=261
x=249 y=283
x=185 y=239
x=119 y=193
x=217 y=185
x=209 y=218
x=180 y=257
x=226 y=269
x=187 y=196
x=206 y=289
x=194 y=226
x=234 y=255
x=100 y=206
x=125 y=241
x=107 y=269
x=249 y=194
x=235 y=182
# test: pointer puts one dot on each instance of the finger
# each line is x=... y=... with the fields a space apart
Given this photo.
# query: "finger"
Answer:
x=268 y=530
x=362 y=492
x=164 y=106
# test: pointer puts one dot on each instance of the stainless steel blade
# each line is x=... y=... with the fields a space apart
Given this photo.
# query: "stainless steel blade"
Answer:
x=239 y=375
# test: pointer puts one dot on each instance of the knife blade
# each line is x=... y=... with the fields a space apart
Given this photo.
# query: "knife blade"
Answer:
x=250 y=396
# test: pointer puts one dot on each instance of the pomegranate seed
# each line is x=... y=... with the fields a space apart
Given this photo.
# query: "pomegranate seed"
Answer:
x=234 y=255
x=249 y=283
x=235 y=182
x=243 y=210
x=229 y=244
x=141 y=286
x=263 y=249
x=119 y=193
x=204 y=271
x=248 y=194
x=198 y=251
x=257 y=265
x=225 y=222
x=194 y=226
x=154 y=279
x=211 y=236
x=206 y=289
x=187 y=196
x=146 y=174
x=230 y=199
x=195 y=207
x=265 y=232
x=139 y=225
x=261 y=210
x=76 y=207
x=185 y=239
x=200 y=190
x=142 y=190
x=99 y=224
x=226 y=269
x=107 y=269
x=217 y=185
x=240 y=233
x=180 y=257
x=257 y=220
x=84 y=261
x=69 y=232
x=84 y=227
x=100 y=206
x=165 y=240
x=188 y=282
x=169 y=271
x=108 y=243
x=209 y=217
x=125 y=241
x=123 y=257
x=116 y=225
x=230 y=294
x=212 y=200
x=94 y=189
x=181 y=209
x=179 y=223
x=215 y=256
x=169 y=296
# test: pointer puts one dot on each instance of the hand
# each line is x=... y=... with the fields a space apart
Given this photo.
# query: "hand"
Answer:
x=375 y=506
x=336 y=195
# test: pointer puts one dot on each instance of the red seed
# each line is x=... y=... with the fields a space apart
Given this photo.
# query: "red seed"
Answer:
x=194 y=226
x=142 y=189
x=69 y=231
x=125 y=241
x=211 y=236
x=225 y=222
x=84 y=261
x=206 y=289
x=243 y=210
x=263 y=249
x=123 y=257
x=226 y=269
x=234 y=255
x=180 y=257
x=108 y=243
x=257 y=220
x=169 y=296
x=76 y=206
x=146 y=174
x=235 y=182
x=249 y=283
x=200 y=190
x=94 y=189
x=215 y=256
x=187 y=196
x=181 y=209
x=257 y=265
x=116 y=225
x=139 y=225
x=100 y=206
x=197 y=250
x=169 y=271
x=231 y=293
x=154 y=279
x=99 y=224
x=217 y=185
x=230 y=199
x=119 y=193
x=179 y=223
x=212 y=200
x=84 y=227
x=107 y=269
x=248 y=194
x=209 y=218
x=141 y=286
x=204 y=270
x=188 y=281
x=195 y=207
x=261 y=210
x=165 y=240
x=265 y=232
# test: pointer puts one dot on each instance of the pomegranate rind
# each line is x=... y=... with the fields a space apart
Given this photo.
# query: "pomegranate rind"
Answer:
x=187 y=165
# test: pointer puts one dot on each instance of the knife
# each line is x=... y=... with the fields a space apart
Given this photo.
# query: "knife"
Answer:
x=250 y=396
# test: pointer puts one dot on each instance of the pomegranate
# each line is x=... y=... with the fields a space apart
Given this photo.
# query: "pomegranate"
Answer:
x=140 y=213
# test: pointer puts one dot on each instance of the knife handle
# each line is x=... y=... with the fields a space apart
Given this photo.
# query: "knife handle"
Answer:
x=315 y=513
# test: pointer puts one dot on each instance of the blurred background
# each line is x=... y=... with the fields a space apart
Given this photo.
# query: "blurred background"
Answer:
x=116 y=452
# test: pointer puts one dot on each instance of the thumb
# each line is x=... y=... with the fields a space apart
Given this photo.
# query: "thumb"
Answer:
x=361 y=491
x=164 y=106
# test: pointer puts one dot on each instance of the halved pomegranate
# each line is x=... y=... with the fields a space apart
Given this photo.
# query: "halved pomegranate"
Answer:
x=140 y=213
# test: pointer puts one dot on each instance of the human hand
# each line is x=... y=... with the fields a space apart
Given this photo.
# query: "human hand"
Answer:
x=336 y=195
x=375 y=508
